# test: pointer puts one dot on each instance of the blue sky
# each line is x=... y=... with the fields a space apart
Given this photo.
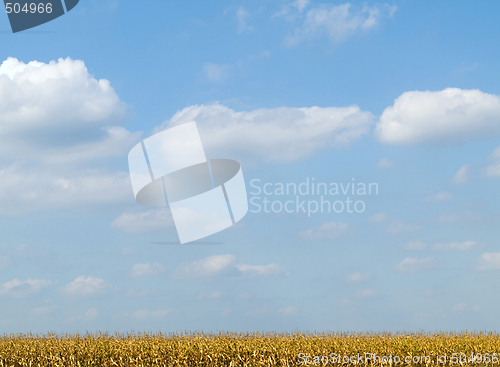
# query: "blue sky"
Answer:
x=403 y=94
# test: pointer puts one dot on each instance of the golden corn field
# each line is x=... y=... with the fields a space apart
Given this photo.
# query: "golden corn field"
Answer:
x=252 y=349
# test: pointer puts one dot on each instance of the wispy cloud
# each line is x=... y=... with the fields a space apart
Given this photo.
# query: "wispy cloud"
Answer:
x=21 y=289
x=338 y=22
x=86 y=286
x=456 y=246
x=144 y=221
x=325 y=232
x=146 y=270
x=488 y=261
x=242 y=15
x=413 y=265
x=224 y=264
x=462 y=175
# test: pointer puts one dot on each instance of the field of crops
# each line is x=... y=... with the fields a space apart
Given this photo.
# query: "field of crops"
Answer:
x=229 y=349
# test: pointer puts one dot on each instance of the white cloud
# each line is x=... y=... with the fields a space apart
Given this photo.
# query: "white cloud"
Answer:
x=45 y=108
x=413 y=265
x=356 y=277
x=216 y=72
x=415 y=245
x=338 y=22
x=440 y=196
x=450 y=116
x=288 y=311
x=456 y=246
x=279 y=134
x=86 y=286
x=325 y=232
x=55 y=118
x=224 y=264
x=367 y=293
x=488 y=261
x=206 y=268
x=146 y=270
x=242 y=15
x=385 y=163
x=144 y=221
x=21 y=289
x=257 y=270
x=144 y=315
x=214 y=295
x=462 y=176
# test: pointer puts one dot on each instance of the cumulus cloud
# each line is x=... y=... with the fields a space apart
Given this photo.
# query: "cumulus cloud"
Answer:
x=356 y=277
x=144 y=221
x=338 y=22
x=55 y=119
x=325 y=232
x=450 y=116
x=224 y=264
x=55 y=106
x=413 y=265
x=21 y=289
x=146 y=270
x=288 y=311
x=280 y=134
x=488 y=261
x=415 y=245
x=86 y=286
x=456 y=246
